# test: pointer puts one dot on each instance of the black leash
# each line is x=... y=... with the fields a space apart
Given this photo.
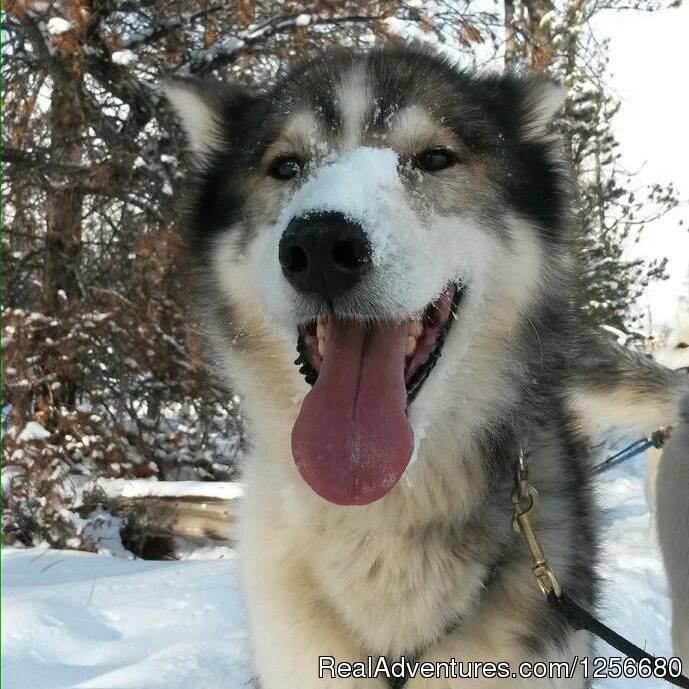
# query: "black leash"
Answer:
x=525 y=503
x=581 y=619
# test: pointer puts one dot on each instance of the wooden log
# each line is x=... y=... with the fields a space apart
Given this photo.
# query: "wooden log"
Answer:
x=184 y=516
x=163 y=510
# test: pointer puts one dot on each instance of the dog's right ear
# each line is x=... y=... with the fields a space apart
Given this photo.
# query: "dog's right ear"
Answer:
x=206 y=111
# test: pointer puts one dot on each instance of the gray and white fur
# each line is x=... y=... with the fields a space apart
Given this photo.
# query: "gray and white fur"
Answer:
x=433 y=570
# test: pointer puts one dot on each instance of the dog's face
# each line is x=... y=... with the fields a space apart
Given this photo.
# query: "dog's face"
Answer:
x=373 y=211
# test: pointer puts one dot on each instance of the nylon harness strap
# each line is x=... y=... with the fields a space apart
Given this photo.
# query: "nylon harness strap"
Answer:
x=581 y=619
x=657 y=440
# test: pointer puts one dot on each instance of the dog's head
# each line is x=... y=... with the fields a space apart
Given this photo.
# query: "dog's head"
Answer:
x=373 y=211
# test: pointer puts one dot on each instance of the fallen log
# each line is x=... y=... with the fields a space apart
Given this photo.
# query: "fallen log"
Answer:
x=158 y=512
x=183 y=516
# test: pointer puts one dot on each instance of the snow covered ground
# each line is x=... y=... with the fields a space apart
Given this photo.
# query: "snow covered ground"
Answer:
x=78 y=620
x=98 y=622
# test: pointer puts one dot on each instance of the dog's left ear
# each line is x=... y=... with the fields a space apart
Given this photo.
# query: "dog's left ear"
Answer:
x=208 y=111
x=523 y=106
x=540 y=101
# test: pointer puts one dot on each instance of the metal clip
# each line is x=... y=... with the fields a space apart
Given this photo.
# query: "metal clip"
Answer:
x=522 y=473
x=525 y=503
x=661 y=436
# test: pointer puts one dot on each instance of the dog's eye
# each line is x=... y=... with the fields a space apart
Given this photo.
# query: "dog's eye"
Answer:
x=285 y=168
x=434 y=159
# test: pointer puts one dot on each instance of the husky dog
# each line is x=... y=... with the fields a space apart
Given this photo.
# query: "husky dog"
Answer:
x=667 y=492
x=673 y=531
x=675 y=355
x=366 y=215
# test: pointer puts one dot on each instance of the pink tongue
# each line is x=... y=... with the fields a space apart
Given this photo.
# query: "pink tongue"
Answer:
x=352 y=440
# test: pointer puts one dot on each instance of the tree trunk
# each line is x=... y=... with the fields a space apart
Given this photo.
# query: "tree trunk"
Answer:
x=511 y=48
x=63 y=214
x=539 y=51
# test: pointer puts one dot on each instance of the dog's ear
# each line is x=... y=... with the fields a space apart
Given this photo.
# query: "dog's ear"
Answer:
x=207 y=111
x=523 y=106
x=541 y=101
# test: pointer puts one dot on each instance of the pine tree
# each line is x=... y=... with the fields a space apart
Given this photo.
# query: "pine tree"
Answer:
x=610 y=211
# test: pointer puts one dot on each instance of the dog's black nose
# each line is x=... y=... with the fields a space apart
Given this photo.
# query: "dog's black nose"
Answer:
x=325 y=253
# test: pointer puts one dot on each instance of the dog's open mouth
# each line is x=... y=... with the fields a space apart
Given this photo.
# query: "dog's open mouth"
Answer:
x=352 y=440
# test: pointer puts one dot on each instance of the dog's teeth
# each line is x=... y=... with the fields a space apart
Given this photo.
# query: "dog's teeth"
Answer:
x=416 y=328
x=411 y=346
